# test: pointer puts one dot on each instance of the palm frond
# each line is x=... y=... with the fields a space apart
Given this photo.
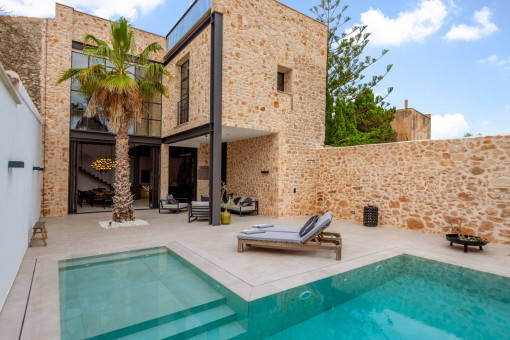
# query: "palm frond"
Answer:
x=146 y=53
x=72 y=72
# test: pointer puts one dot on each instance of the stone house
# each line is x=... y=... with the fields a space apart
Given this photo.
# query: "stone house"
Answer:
x=246 y=106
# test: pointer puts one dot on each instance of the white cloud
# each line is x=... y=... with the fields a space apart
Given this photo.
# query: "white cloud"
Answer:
x=105 y=9
x=414 y=25
x=501 y=63
x=490 y=60
x=448 y=126
x=483 y=28
x=507 y=107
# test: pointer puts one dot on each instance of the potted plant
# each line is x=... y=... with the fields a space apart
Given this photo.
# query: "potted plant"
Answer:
x=226 y=201
x=466 y=240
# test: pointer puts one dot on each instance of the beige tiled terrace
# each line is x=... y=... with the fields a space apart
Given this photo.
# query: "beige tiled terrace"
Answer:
x=252 y=274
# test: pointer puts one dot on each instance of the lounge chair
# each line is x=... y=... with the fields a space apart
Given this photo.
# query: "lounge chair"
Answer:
x=242 y=207
x=198 y=209
x=316 y=239
x=179 y=204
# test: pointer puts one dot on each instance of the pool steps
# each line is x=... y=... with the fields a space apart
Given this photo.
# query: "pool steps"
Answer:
x=202 y=316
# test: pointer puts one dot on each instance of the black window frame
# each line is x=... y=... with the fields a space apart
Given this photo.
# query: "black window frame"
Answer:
x=183 y=104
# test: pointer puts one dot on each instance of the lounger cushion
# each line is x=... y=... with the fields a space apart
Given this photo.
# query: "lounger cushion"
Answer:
x=237 y=199
x=272 y=237
x=282 y=229
x=308 y=225
x=175 y=206
x=164 y=200
x=238 y=208
x=170 y=199
x=322 y=223
x=199 y=204
x=246 y=202
x=262 y=226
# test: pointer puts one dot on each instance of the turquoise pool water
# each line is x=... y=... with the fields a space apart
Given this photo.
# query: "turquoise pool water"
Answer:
x=155 y=294
x=145 y=294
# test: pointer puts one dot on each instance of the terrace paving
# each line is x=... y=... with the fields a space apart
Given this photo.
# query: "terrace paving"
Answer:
x=253 y=274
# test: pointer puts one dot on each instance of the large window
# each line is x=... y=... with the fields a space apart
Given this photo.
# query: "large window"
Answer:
x=150 y=125
x=183 y=105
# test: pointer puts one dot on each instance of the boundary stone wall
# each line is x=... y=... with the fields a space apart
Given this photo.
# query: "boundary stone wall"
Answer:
x=419 y=185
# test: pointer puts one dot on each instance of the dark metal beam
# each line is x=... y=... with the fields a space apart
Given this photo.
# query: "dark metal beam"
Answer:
x=216 y=101
x=109 y=138
x=198 y=131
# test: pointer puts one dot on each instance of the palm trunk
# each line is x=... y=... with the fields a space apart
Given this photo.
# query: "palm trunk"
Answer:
x=123 y=199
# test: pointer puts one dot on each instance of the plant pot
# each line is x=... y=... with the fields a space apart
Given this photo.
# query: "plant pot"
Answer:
x=477 y=242
x=225 y=217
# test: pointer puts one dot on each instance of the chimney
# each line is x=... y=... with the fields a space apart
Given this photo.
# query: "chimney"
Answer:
x=407 y=103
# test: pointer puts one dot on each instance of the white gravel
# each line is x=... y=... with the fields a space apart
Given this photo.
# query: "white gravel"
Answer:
x=111 y=224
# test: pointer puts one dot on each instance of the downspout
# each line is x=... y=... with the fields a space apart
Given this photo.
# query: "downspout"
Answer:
x=45 y=117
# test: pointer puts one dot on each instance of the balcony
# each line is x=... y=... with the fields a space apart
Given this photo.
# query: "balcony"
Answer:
x=189 y=21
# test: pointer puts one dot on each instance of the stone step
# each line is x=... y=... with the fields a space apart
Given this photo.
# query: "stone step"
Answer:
x=164 y=319
x=189 y=326
x=232 y=330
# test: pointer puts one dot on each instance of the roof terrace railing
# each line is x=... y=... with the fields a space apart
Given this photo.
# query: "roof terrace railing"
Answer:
x=188 y=21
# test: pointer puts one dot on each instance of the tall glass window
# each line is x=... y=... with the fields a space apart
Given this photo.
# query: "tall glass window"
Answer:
x=150 y=124
x=183 y=105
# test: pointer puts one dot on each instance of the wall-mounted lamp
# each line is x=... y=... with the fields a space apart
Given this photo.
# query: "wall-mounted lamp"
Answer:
x=16 y=164
x=265 y=171
x=37 y=168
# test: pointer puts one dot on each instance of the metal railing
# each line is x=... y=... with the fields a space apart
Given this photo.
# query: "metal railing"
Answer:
x=192 y=16
x=183 y=111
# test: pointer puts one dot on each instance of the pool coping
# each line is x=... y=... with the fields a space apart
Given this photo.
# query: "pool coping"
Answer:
x=43 y=306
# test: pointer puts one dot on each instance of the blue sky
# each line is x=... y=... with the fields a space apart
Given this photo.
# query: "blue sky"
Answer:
x=451 y=57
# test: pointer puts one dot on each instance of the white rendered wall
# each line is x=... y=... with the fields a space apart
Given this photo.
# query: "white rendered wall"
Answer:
x=20 y=140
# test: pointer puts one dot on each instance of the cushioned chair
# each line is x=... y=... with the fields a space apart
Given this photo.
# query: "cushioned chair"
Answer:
x=244 y=207
x=179 y=205
x=316 y=239
x=198 y=209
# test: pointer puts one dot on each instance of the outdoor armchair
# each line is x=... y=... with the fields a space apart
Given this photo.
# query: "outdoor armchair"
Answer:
x=179 y=204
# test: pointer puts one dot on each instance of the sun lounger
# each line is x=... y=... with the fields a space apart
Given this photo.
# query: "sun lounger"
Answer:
x=316 y=239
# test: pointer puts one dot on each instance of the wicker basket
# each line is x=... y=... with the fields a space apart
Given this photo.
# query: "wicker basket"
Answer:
x=370 y=216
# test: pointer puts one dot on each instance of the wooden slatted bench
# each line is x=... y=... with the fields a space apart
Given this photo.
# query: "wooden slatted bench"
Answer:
x=39 y=228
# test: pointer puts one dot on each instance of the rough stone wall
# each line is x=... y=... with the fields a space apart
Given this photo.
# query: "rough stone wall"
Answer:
x=418 y=185
x=165 y=160
x=21 y=47
x=203 y=160
x=198 y=52
x=67 y=26
x=261 y=37
x=410 y=124
x=245 y=161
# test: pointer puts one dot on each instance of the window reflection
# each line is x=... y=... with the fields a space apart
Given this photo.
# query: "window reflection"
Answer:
x=150 y=125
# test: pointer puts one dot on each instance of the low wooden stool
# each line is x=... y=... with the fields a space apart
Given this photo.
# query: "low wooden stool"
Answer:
x=39 y=228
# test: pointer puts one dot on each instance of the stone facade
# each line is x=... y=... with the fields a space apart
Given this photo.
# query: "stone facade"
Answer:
x=245 y=162
x=198 y=53
x=418 y=185
x=260 y=39
x=24 y=35
x=202 y=161
x=410 y=124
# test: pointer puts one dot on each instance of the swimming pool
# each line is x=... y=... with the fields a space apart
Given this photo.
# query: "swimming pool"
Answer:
x=154 y=294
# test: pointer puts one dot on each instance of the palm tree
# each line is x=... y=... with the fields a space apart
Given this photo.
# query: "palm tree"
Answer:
x=119 y=95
